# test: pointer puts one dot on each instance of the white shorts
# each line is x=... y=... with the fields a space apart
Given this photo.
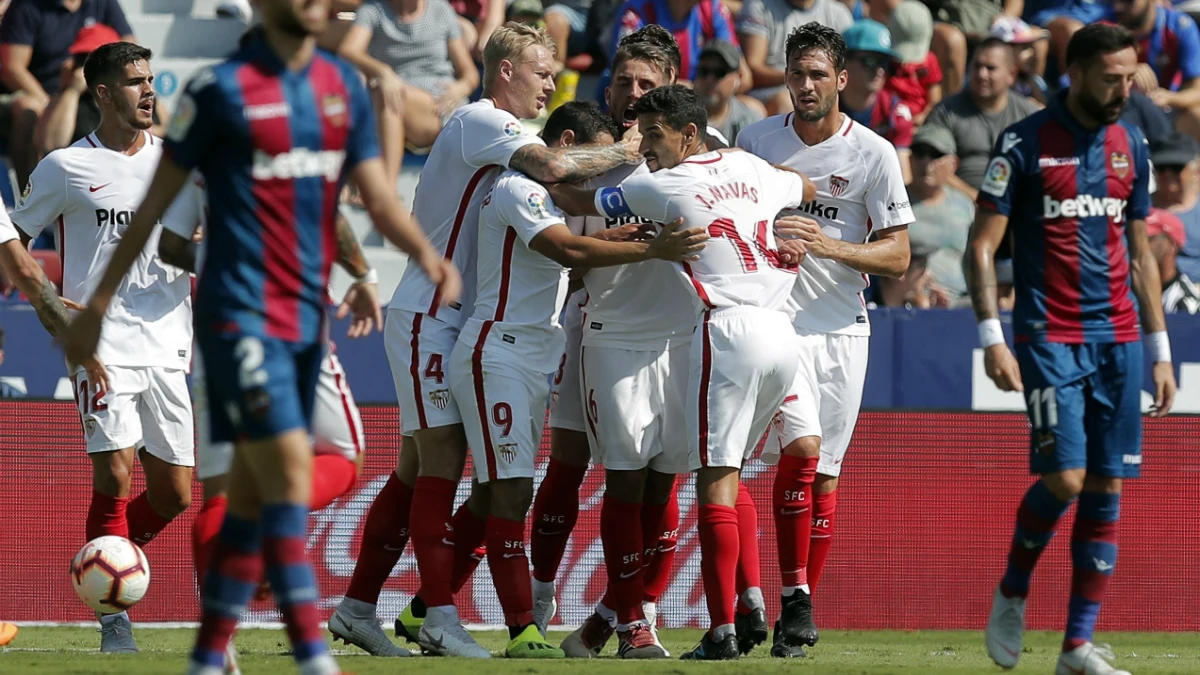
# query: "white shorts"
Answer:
x=144 y=407
x=337 y=425
x=504 y=406
x=636 y=406
x=825 y=398
x=418 y=349
x=566 y=399
x=739 y=378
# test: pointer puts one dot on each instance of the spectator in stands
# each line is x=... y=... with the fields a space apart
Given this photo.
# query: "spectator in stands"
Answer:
x=917 y=289
x=917 y=78
x=1169 y=68
x=716 y=83
x=1062 y=18
x=957 y=25
x=869 y=56
x=477 y=19
x=414 y=55
x=943 y=214
x=694 y=23
x=35 y=39
x=1029 y=46
x=763 y=27
x=567 y=24
x=978 y=114
x=1166 y=234
x=1177 y=173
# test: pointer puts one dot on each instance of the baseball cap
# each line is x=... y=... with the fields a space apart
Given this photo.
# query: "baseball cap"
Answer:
x=1014 y=31
x=90 y=38
x=1161 y=221
x=235 y=9
x=937 y=137
x=1174 y=149
x=911 y=27
x=526 y=8
x=728 y=54
x=867 y=35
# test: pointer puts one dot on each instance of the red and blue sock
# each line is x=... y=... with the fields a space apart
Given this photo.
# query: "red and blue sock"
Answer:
x=285 y=530
x=237 y=566
x=1093 y=559
x=1036 y=519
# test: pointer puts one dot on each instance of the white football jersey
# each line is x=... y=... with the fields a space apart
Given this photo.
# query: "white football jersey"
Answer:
x=187 y=213
x=860 y=189
x=475 y=144
x=7 y=231
x=89 y=193
x=736 y=197
x=643 y=306
x=520 y=292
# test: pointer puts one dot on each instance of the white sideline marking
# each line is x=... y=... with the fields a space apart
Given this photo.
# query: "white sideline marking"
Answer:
x=264 y=625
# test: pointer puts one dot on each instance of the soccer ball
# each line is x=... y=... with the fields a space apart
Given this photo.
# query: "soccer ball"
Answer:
x=110 y=574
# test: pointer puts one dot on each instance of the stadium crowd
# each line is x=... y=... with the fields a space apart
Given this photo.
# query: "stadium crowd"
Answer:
x=939 y=79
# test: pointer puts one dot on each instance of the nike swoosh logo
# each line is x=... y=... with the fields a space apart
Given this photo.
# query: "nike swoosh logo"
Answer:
x=628 y=575
x=387 y=547
x=792 y=512
x=97 y=188
x=549 y=534
x=1011 y=652
x=447 y=542
x=513 y=555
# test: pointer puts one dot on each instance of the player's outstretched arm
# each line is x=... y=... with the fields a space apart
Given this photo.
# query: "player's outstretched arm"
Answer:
x=1147 y=287
x=400 y=228
x=84 y=332
x=28 y=276
x=362 y=297
x=559 y=165
x=569 y=250
x=986 y=235
x=574 y=201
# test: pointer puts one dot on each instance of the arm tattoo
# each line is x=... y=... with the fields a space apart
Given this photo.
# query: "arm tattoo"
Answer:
x=50 y=310
x=567 y=165
x=350 y=254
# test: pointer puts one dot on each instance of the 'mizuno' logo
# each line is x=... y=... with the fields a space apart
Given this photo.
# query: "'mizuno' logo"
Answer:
x=299 y=163
x=1085 y=206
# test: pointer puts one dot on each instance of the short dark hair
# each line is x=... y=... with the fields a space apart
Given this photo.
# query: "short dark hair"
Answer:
x=108 y=62
x=1097 y=39
x=651 y=43
x=815 y=36
x=997 y=43
x=677 y=104
x=586 y=119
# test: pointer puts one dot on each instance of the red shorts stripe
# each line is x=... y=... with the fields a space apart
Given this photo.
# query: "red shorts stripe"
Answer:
x=414 y=367
x=705 y=375
x=340 y=380
x=480 y=402
x=464 y=203
x=587 y=408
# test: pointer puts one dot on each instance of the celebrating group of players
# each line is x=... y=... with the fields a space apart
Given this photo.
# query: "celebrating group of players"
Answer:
x=704 y=315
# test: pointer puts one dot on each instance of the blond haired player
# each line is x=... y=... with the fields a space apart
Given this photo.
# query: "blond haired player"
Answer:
x=476 y=142
x=857 y=226
x=136 y=405
x=737 y=375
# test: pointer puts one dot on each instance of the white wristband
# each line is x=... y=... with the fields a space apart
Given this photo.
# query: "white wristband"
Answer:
x=1160 y=346
x=990 y=333
x=371 y=277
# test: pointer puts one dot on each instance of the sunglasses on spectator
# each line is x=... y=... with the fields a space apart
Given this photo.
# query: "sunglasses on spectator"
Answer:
x=705 y=71
x=872 y=61
x=925 y=152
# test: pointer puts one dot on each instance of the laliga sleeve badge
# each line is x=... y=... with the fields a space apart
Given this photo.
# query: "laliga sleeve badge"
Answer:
x=182 y=119
x=995 y=181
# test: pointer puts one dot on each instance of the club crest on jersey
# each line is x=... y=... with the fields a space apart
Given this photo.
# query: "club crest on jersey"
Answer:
x=334 y=107
x=508 y=451
x=28 y=190
x=837 y=186
x=440 y=398
x=1120 y=164
x=89 y=426
x=512 y=128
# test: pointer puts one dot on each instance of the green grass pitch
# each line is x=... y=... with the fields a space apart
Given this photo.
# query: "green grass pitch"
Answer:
x=72 y=651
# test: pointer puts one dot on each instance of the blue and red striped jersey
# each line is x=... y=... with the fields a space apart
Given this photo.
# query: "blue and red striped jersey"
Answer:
x=1068 y=193
x=274 y=146
x=1172 y=48
x=709 y=20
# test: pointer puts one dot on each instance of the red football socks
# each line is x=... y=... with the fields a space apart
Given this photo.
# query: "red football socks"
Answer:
x=205 y=529
x=385 y=534
x=143 y=522
x=719 y=549
x=106 y=516
x=510 y=569
x=824 y=508
x=555 y=511
x=433 y=538
x=659 y=566
x=792 y=497
x=621 y=534
x=749 y=574
x=470 y=534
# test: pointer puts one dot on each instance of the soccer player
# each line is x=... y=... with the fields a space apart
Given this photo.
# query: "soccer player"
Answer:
x=498 y=370
x=275 y=130
x=1072 y=183
x=737 y=374
x=856 y=226
x=475 y=143
x=135 y=406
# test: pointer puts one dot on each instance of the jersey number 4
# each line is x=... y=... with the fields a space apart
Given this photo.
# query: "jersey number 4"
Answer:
x=723 y=228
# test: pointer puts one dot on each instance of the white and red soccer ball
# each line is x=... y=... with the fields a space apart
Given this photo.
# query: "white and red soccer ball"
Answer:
x=110 y=574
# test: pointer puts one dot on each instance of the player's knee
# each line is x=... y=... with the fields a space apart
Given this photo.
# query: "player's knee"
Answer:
x=480 y=499
x=570 y=447
x=215 y=486
x=625 y=486
x=658 y=487
x=443 y=451
x=112 y=472
x=511 y=498
x=1065 y=485
x=1102 y=484
x=717 y=485
x=408 y=462
x=172 y=500
x=806 y=446
x=824 y=485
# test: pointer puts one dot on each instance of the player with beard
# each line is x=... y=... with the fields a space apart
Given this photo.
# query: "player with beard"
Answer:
x=275 y=130
x=1072 y=183
x=132 y=394
x=856 y=226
